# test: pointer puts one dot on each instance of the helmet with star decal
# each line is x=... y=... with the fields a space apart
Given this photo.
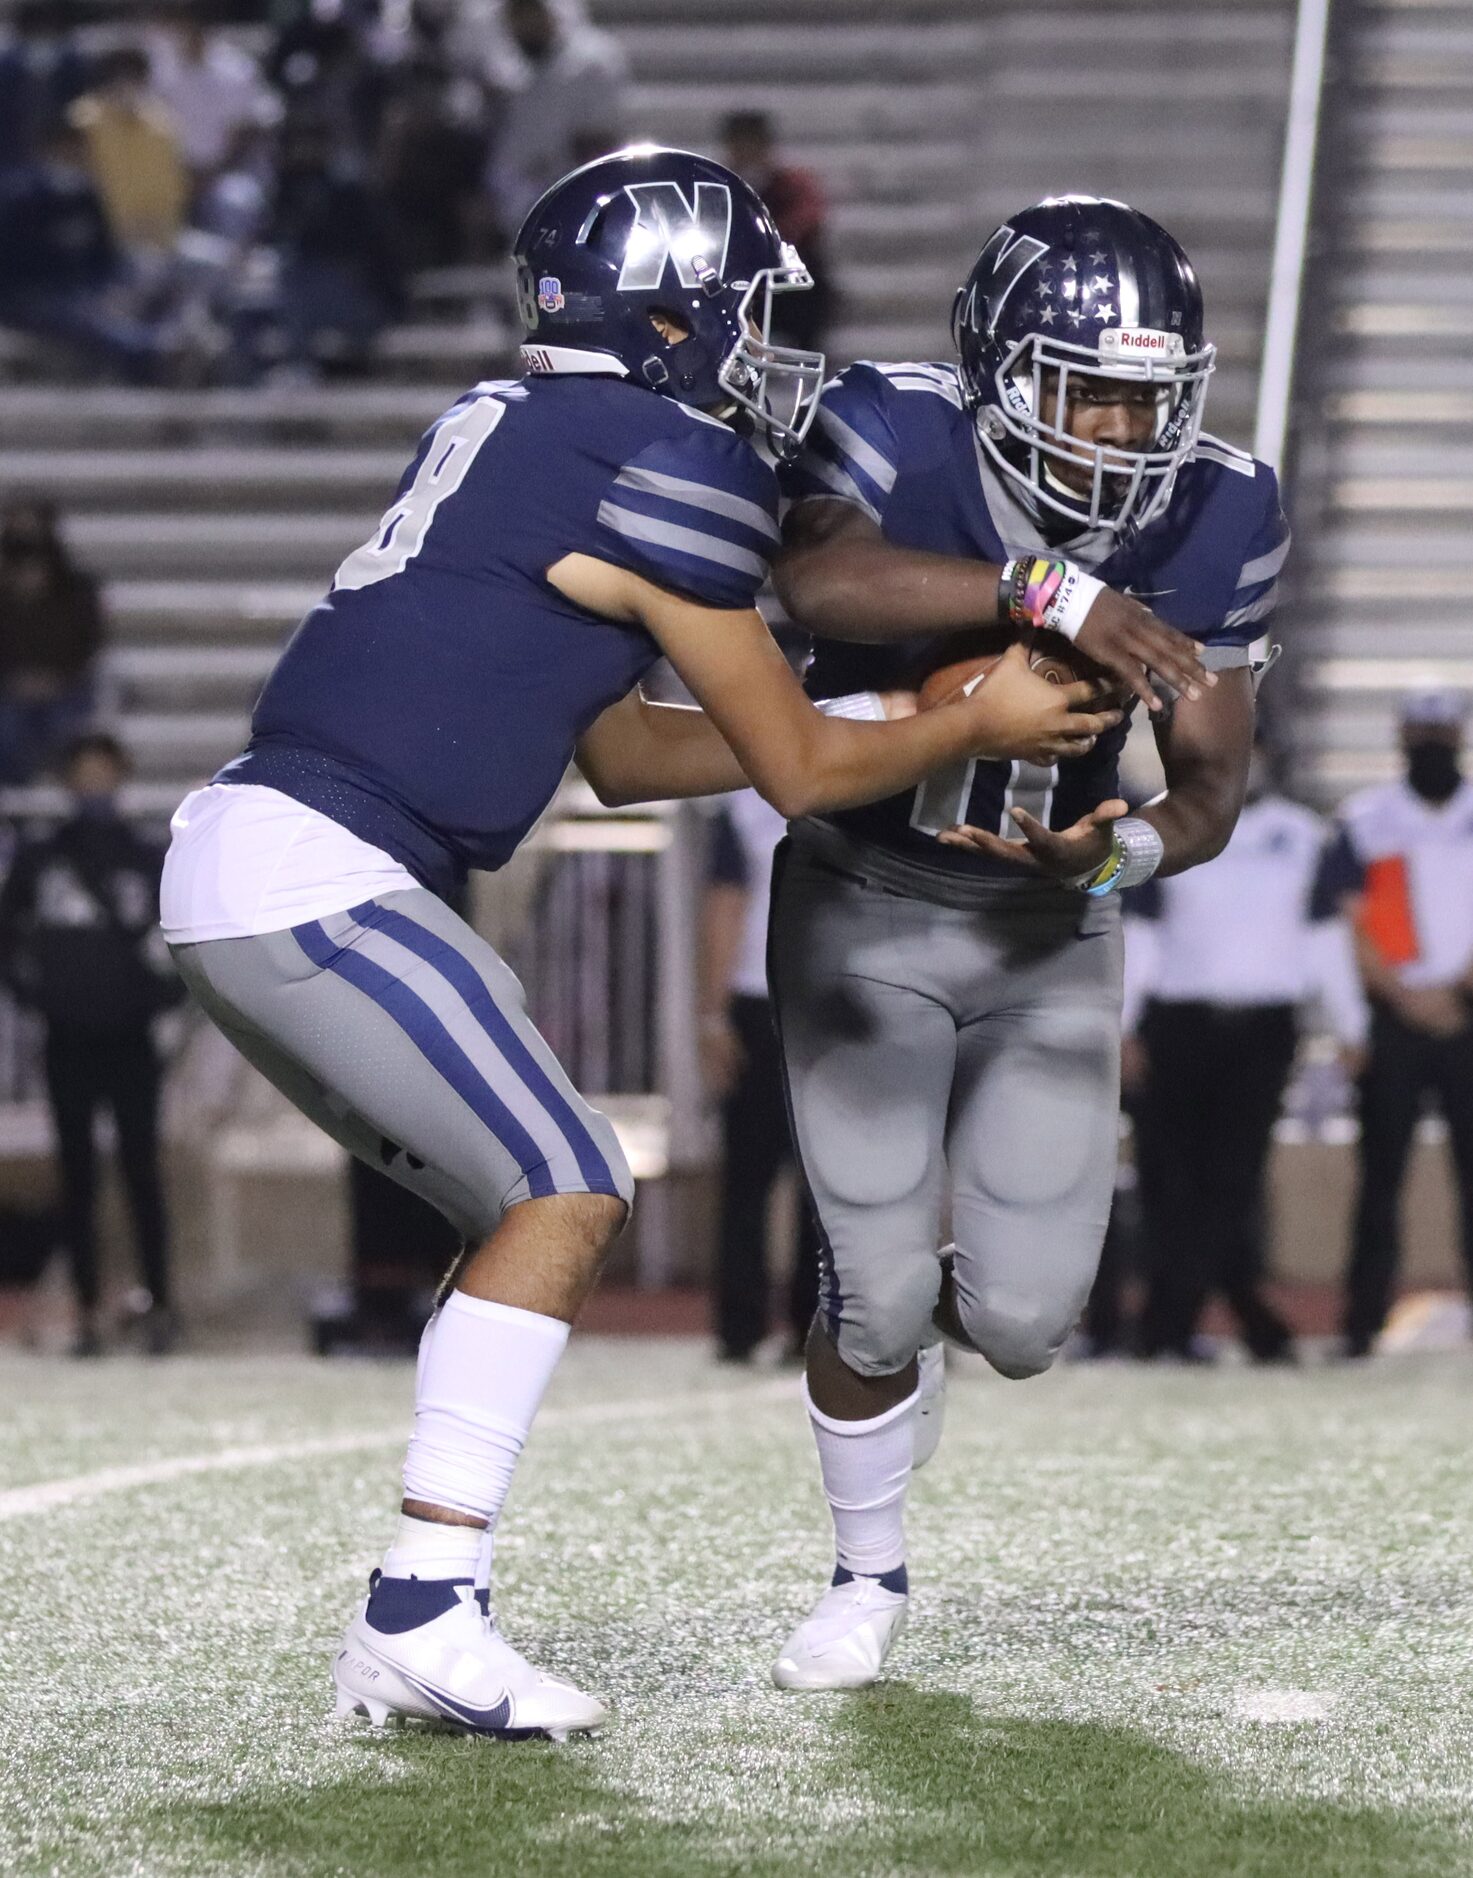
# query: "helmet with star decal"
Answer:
x=1080 y=299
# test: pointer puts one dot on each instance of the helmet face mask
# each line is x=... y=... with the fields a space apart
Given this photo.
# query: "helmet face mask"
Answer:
x=649 y=232
x=779 y=386
x=1025 y=427
x=1079 y=302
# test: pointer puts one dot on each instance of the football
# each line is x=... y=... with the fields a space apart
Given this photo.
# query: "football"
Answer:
x=974 y=654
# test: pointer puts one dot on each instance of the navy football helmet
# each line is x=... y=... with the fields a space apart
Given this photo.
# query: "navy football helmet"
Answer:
x=1077 y=286
x=648 y=231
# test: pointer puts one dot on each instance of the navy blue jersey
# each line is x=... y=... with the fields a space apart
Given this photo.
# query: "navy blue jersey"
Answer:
x=896 y=441
x=430 y=703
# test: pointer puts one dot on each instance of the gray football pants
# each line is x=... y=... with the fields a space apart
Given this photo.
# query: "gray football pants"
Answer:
x=399 y=1031
x=947 y=1061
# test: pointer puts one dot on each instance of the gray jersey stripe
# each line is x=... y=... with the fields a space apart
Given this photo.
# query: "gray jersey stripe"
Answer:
x=1260 y=609
x=683 y=540
x=1225 y=658
x=841 y=483
x=1266 y=566
x=868 y=458
x=700 y=496
x=447 y=1004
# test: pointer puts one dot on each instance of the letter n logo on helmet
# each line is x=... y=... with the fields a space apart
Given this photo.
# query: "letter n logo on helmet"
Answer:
x=1000 y=266
x=668 y=227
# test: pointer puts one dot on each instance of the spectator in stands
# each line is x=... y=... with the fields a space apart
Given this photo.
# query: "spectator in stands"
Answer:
x=340 y=275
x=1225 y=959
x=796 y=200
x=562 y=101
x=1402 y=866
x=135 y=159
x=212 y=89
x=63 y=278
x=739 y=1057
x=51 y=630
x=326 y=61
x=79 y=944
x=41 y=74
x=432 y=155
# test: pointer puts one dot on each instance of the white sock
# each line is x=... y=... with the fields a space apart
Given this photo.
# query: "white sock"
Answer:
x=866 y=1469
x=424 y=1548
x=482 y=1374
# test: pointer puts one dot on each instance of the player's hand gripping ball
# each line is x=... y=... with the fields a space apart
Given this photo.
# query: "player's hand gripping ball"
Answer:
x=974 y=654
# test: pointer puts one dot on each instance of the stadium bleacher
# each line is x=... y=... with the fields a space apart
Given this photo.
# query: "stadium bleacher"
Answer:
x=1385 y=490
x=215 y=516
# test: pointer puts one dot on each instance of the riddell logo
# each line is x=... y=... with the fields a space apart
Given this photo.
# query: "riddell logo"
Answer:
x=1136 y=341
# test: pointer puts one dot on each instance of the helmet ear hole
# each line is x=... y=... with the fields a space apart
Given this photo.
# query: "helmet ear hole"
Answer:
x=671 y=325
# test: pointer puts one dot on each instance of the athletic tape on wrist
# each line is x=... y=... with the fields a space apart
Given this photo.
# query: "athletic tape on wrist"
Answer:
x=865 y=707
x=1136 y=851
x=1054 y=595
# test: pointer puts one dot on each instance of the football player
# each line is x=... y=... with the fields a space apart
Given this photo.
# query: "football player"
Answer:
x=553 y=537
x=946 y=964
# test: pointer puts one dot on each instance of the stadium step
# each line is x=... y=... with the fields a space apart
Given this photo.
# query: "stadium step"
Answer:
x=207 y=478
x=1389 y=484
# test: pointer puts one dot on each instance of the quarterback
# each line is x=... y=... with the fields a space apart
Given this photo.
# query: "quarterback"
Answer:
x=946 y=963
x=554 y=536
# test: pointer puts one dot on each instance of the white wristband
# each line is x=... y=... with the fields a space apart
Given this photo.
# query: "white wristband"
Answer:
x=1040 y=590
x=1077 y=592
x=864 y=706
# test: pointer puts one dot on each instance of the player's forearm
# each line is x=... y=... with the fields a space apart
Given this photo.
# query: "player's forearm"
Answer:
x=838 y=764
x=638 y=752
x=1195 y=823
x=1205 y=747
x=874 y=591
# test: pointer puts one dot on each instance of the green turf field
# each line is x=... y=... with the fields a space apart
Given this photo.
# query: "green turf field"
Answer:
x=1165 y=1623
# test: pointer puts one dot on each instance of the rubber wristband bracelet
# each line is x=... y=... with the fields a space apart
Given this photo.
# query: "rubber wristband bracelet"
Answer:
x=1053 y=595
x=1102 y=879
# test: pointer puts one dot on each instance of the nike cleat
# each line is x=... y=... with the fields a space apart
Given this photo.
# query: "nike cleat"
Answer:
x=930 y=1409
x=843 y=1641
x=428 y=1648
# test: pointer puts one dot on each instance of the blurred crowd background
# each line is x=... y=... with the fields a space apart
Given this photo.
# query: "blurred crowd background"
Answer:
x=250 y=250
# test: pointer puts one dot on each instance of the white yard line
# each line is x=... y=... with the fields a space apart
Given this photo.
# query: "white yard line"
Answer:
x=1283 y=1705
x=18 y=1502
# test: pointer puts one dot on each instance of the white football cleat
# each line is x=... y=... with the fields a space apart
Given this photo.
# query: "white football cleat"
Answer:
x=930 y=1410
x=427 y=1648
x=843 y=1641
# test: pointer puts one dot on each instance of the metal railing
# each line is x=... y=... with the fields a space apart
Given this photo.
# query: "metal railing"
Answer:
x=1291 y=233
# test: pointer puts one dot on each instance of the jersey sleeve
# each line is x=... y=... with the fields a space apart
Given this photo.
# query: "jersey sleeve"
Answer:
x=696 y=513
x=1340 y=872
x=1266 y=548
x=852 y=452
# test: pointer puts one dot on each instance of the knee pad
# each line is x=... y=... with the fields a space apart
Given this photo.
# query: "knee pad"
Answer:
x=1018 y=1332
x=883 y=1322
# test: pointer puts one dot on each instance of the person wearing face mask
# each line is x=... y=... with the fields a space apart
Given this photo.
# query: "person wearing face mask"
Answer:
x=1221 y=963
x=51 y=630
x=1402 y=867
x=80 y=946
